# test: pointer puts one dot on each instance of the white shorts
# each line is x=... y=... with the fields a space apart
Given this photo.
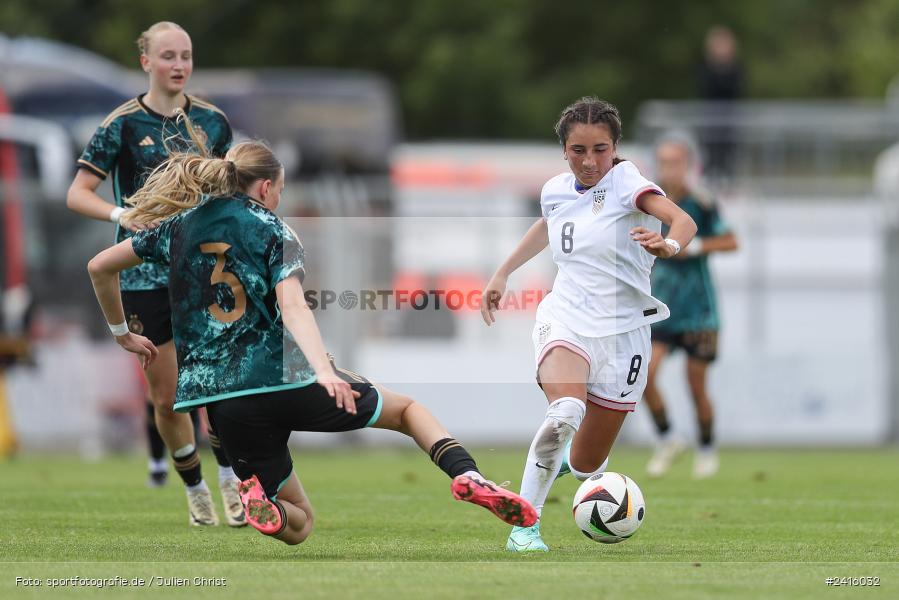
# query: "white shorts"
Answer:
x=619 y=364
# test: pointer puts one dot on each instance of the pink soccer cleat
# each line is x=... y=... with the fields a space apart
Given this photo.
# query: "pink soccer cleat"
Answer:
x=261 y=512
x=508 y=506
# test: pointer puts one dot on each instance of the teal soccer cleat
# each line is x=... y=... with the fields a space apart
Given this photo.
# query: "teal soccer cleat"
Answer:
x=565 y=462
x=526 y=539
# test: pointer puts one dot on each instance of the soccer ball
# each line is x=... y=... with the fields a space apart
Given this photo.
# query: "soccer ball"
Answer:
x=609 y=507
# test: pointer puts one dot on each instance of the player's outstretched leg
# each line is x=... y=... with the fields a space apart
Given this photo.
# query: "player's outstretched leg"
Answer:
x=401 y=413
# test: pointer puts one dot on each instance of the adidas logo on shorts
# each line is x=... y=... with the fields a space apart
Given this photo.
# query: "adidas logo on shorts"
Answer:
x=147 y=141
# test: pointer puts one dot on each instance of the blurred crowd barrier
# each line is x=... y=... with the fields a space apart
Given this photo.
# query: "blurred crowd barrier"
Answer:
x=801 y=147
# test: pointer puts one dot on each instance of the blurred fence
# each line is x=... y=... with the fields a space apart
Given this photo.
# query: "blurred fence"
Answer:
x=803 y=148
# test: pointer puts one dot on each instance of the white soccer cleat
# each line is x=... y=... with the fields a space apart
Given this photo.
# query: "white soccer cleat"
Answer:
x=234 y=513
x=705 y=464
x=202 y=511
x=666 y=453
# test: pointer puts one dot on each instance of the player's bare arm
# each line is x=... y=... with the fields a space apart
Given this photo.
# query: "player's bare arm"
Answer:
x=82 y=198
x=681 y=227
x=726 y=242
x=300 y=322
x=533 y=242
x=104 y=272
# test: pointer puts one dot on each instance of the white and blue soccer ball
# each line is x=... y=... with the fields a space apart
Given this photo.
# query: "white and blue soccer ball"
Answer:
x=609 y=507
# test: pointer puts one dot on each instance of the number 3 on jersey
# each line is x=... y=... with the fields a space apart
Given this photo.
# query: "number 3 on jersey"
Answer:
x=568 y=237
x=219 y=275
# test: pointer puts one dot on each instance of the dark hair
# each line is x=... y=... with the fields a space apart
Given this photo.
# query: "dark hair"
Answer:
x=589 y=110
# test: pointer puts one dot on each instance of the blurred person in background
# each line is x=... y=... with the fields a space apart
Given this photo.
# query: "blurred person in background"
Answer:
x=16 y=331
x=17 y=304
x=721 y=82
x=603 y=220
x=248 y=345
x=685 y=285
x=129 y=144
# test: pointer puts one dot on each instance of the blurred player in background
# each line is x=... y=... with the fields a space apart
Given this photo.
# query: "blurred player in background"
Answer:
x=131 y=142
x=685 y=285
x=235 y=274
x=602 y=221
x=722 y=84
x=16 y=312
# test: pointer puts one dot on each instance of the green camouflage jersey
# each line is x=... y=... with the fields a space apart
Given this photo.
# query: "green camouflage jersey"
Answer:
x=129 y=144
x=685 y=284
x=224 y=259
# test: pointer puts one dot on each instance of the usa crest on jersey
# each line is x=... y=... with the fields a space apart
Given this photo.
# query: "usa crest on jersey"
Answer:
x=599 y=198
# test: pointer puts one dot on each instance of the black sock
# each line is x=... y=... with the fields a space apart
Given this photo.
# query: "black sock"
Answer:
x=220 y=457
x=157 y=446
x=188 y=468
x=451 y=457
x=283 y=518
x=660 y=418
x=705 y=434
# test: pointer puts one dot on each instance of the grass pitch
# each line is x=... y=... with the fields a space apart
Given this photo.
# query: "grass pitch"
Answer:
x=772 y=524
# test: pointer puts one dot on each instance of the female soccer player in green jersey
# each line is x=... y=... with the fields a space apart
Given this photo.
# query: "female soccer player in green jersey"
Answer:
x=685 y=285
x=248 y=345
x=130 y=143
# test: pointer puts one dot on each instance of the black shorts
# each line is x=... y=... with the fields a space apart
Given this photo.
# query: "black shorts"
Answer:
x=149 y=314
x=254 y=429
x=701 y=345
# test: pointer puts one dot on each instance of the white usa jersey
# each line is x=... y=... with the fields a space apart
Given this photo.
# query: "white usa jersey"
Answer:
x=602 y=286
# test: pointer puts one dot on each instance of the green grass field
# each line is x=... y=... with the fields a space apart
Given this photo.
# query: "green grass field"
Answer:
x=773 y=524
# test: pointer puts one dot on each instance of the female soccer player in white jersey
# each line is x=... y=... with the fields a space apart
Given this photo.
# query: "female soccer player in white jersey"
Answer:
x=592 y=346
x=129 y=144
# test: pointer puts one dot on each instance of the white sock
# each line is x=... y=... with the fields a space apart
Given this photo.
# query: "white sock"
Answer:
x=183 y=451
x=196 y=488
x=474 y=475
x=667 y=437
x=563 y=418
x=158 y=466
x=581 y=476
x=226 y=474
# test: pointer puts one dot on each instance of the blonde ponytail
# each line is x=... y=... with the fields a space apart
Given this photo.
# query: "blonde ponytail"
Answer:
x=178 y=184
x=186 y=177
